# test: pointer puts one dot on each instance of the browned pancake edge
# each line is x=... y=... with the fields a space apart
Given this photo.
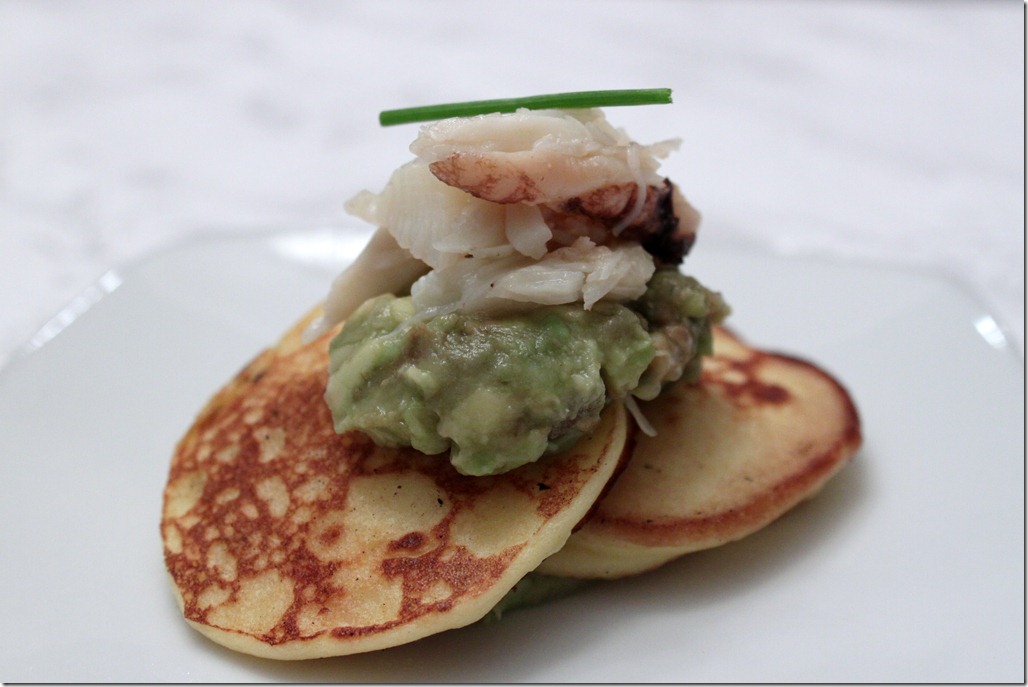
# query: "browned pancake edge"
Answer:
x=759 y=433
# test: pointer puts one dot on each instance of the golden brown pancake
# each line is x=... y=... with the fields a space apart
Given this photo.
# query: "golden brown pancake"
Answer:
x=755 y=436
x=286 y=540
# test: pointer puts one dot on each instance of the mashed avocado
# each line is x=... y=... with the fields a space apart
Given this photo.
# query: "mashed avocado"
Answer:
x=499 y=392
x=534 y=589
x=679 y=311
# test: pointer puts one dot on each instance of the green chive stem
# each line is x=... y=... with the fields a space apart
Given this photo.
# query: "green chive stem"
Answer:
x=563 y=101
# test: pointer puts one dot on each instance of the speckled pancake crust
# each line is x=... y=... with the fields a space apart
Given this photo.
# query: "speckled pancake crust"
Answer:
x=286 y=540
x=757 y=435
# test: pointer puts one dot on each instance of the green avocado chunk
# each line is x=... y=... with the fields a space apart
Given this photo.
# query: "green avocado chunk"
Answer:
x=498 y=392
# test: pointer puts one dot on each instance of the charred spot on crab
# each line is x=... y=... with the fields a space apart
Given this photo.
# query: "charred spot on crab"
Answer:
x=664 y=224
x=667 y=225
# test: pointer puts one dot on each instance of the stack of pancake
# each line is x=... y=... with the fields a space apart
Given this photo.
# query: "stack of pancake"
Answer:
x=286 y=540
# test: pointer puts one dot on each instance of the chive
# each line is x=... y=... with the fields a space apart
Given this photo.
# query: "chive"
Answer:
x=565 y=101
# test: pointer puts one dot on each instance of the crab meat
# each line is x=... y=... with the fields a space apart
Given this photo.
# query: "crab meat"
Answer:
x=510 y=210
x=440 y=224
x=581 y=273
x=587 y=178
x=382 y=267
x=535 y=157
x=665 y=226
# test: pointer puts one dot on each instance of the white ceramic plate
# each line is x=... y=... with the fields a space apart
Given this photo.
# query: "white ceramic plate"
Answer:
x=908 y=567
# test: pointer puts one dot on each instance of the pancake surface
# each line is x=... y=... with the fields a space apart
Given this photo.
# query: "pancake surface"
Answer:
x=755 y=436
x=286 y=540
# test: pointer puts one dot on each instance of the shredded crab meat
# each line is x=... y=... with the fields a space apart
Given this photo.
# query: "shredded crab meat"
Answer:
x=639 y=197
x=382 y=267
x=637 y=414
x=535 y=157
x=586 y=177
x=509 y=210
x=441 y=225
x=581 y=273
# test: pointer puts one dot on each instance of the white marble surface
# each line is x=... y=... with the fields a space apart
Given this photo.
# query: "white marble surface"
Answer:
x=863 y=131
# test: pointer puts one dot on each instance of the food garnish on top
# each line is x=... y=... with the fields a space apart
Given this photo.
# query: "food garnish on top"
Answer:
x=525 y=274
